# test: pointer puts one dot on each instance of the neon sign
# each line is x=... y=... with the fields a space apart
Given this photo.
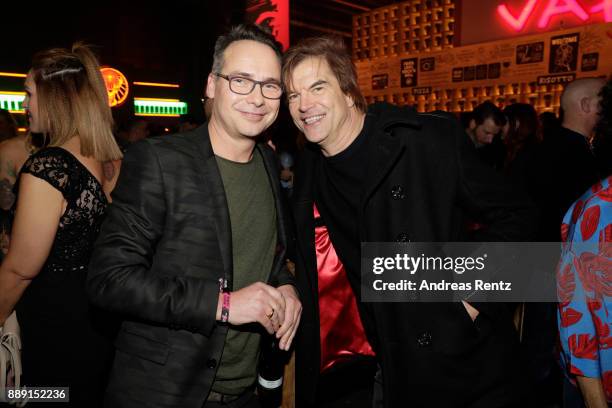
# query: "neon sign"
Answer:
x=11 y=101
x=116 y=86
x=553 y=8
x=159 y=107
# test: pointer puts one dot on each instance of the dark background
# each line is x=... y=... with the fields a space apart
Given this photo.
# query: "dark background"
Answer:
x=153 y=41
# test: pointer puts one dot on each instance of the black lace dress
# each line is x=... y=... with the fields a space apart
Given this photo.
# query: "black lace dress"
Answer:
x=65 y=341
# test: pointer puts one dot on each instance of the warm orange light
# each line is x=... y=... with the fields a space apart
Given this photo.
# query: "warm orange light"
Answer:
x=158 y=114
x=116 y=86
x=12 y=74
x=22 y=129
x=156 y=84
x=156 y=99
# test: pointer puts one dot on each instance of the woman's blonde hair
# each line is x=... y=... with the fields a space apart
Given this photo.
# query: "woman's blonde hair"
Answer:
x=72 y=100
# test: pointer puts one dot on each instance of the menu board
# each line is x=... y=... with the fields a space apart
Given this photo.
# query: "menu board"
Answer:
x=548 y=58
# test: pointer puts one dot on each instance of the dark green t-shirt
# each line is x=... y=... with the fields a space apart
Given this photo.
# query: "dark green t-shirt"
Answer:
x=253 y=220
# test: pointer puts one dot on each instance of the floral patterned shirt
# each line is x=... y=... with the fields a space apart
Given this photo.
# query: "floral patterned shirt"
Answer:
x=584 y=286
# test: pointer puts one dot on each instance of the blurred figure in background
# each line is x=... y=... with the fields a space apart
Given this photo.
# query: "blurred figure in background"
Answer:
x=137 y=130
x=549 y=125
x=485 y=124
x=569 y=164
x=8 y=126
x=62 y=196
x=286 y=174
x=521 y=141
x=187 y=122
x=602 y=143
x=525 y=167
x=13 y=153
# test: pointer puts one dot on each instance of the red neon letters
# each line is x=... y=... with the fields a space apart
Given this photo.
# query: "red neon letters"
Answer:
x=517 y=23
x=553 y=8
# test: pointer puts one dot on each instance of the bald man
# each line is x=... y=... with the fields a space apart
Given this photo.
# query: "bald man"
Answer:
x=580 y=104
x=573 y=168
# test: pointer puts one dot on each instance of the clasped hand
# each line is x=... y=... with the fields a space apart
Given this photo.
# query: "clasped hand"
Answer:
x=278 y=310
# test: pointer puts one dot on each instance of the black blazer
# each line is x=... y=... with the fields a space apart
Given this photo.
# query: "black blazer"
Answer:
x=423 y=177
x=162 y=249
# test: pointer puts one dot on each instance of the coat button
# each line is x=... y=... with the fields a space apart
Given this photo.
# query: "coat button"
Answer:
x=424 y=339
x=211 y=363
x=403 y=237
x=397 y=193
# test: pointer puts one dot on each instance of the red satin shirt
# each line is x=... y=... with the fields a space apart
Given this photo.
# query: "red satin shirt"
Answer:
x=342 y=333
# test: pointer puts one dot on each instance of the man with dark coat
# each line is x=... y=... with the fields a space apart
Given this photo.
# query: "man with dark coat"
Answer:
x=195 y=229
x=571 y=165
x=384 y=174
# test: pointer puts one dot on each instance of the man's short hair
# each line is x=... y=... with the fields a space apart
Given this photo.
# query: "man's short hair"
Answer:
x=334 y=52
x=487 y=110
x=241 y=32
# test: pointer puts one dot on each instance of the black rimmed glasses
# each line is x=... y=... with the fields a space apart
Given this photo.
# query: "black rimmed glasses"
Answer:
x=244 y=86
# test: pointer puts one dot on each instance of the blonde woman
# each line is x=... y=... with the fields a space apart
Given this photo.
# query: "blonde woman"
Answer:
x=62 y=194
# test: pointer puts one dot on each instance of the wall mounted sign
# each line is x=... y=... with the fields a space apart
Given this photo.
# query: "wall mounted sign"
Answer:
x=116 y=86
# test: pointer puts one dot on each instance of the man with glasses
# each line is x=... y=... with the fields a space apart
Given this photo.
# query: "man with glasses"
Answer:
x=195 y=229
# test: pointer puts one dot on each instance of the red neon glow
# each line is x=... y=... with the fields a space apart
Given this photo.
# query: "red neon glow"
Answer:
x=517 y=23
x=555 y=7
x=606 y=7
x=273 y=14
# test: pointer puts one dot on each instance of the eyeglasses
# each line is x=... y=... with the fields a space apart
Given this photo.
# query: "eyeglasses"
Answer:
x=244 y=86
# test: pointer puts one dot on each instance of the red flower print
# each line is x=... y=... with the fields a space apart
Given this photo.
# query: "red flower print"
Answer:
x=605 y=241
x=564 y=232
x=583 y=346
x=595 y=273
x=602 y=329
x=577 y=211
x=606 y=194
x=596 y=187
x=566 y=285
x=569 y=317
x=588 y=226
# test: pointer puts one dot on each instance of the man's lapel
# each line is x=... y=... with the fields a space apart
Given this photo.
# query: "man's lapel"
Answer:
x=384 y=151
x=274 y=178
x=212 y=181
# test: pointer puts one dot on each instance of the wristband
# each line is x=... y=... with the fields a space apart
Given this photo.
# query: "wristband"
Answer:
x=225 y=307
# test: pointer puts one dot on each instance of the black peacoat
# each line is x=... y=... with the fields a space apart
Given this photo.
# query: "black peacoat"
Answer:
x=423 y=178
